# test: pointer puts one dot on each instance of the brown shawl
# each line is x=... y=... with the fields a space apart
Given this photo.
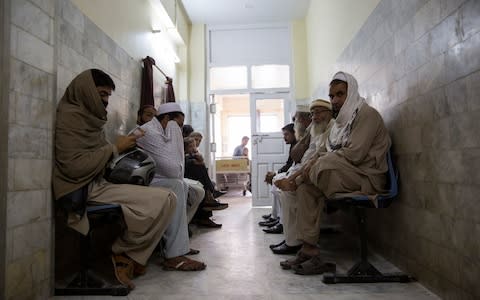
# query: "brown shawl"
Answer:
x=81 y=150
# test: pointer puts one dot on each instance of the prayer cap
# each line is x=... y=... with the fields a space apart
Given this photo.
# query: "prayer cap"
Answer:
x=168 y=107
x=302 y=108
x=321 y=103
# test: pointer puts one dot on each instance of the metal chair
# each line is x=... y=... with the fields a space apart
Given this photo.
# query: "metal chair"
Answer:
x=363 y=271
x=86 y=281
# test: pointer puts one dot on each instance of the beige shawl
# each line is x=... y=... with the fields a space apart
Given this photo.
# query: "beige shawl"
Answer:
x=81 y=150
x=340 y=132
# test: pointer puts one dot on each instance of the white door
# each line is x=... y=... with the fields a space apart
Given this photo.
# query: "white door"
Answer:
x=269 y=152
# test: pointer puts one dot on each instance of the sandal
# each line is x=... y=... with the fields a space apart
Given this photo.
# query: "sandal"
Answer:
x=299 y=258
x=182 y=263
x=193 y=252
x=138 y=269
x=123 y=268
x=313 y=266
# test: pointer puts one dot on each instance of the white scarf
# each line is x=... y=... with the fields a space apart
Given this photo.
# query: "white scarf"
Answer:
x=340 y=133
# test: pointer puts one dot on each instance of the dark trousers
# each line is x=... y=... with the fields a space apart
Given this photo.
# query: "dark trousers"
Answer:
x=199 y=173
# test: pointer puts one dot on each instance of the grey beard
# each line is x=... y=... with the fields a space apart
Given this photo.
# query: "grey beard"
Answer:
x=318 y=129
x=299 y=130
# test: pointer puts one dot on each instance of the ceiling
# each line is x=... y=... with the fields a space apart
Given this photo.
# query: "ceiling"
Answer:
x=223 y=12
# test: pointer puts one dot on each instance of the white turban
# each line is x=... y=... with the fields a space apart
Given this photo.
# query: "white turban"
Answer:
x=340 y=133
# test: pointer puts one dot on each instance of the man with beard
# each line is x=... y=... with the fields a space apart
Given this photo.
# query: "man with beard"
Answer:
x=321 y=117
x=354 y=161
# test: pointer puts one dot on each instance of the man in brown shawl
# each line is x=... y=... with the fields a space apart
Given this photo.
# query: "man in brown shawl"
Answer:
x=354 y=162
x=81 y=155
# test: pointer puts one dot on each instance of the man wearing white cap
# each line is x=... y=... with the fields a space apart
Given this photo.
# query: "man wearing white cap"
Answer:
x=163 y=140
x=321 y=122
x=354 y=161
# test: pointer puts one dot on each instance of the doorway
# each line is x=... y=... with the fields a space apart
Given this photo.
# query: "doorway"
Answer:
x=259 y=116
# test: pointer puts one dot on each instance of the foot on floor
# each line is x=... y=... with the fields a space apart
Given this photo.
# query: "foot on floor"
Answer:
x=315 y=265
x=182 y=263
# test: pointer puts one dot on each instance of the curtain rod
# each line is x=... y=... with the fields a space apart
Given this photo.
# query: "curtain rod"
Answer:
x=161 y=71
x=152 y=61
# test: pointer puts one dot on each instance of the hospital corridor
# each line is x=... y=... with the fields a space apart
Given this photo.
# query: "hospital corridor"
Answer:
x=239 y=149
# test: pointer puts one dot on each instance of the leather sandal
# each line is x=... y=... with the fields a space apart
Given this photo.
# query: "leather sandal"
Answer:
x=299 y=258
x=123 y=268
x=138 y=269
x=313 y=266
x=182 y=263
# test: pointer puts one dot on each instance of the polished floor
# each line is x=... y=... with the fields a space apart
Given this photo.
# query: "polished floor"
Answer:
x=241 y=266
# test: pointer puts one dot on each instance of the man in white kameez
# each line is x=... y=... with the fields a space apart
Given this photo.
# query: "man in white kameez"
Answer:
x=321 y=115
x=163 y=140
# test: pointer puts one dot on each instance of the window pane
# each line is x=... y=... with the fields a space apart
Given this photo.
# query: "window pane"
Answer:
x=270 y=115
x=270 y=76
x=228 y=78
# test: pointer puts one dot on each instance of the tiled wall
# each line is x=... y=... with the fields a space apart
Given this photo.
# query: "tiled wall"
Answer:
x=31 y=107
x=418 y=62
x=51 y=42
x=81 y=45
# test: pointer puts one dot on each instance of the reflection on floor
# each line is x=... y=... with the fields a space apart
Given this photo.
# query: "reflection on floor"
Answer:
x=241 y=266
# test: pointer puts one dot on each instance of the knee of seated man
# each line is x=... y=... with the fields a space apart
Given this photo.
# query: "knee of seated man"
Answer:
x=307 y=189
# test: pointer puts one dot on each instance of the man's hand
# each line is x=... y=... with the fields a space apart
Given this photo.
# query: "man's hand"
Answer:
x=286 y=184
x=269 y=177
x=198 y=158
x=124 y=143
x=138 y=132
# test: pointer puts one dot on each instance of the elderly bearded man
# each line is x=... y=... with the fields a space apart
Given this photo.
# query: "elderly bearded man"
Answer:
x=354 y=161
x=321 y=115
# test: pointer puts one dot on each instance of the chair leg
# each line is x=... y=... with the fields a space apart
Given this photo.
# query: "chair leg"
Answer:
x=87 y=282
x=363 y=271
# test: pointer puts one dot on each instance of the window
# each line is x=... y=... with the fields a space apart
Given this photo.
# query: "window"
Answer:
x=270 y=76
x=225 y=78
x=270 y=115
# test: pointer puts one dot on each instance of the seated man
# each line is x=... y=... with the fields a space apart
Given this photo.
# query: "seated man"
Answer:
x=275 y=216
x=198 y=137
x=145 y=114
x=195 y=169
x=81 y=155
x=187 y=130
x=301 y=122
x=163 y=140
x=321 y=121
x=195 y=189
x=354 y=161
x=238 y=151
